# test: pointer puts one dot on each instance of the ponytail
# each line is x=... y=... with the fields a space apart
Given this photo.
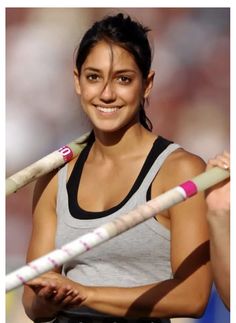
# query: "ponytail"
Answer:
x=144 y=120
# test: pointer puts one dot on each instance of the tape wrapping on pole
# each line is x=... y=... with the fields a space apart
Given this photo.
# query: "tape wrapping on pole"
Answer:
x=113 y=228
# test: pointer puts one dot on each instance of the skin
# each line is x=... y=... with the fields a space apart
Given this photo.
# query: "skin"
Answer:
x=218 y=216
x=121 y=147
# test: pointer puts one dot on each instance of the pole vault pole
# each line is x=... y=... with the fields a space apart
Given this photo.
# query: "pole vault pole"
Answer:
x=45 y=165
x=113 y=228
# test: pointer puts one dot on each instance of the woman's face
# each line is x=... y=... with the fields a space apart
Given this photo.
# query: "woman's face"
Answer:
x=111 y=87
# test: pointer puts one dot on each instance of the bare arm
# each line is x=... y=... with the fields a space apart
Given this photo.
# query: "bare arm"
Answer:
x=42 y=303
x=218 y=216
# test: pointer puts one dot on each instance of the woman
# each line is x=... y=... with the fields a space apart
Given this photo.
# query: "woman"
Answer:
x=159 y=269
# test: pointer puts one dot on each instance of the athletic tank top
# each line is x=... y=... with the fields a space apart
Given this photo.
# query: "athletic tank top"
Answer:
x=136 y=257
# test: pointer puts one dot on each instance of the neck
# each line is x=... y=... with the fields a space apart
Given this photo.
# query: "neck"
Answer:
x=121 y=143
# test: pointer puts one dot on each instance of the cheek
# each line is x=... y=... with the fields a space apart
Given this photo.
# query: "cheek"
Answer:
x=132 y=95
x=87 y=93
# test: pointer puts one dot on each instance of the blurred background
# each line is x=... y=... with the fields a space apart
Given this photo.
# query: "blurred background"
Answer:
x=190 y=101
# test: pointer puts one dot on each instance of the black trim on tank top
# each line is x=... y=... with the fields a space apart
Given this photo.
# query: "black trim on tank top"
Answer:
x=149 y=193
x=159 y=145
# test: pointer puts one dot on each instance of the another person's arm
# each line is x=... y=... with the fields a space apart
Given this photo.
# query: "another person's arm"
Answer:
x=218 y=216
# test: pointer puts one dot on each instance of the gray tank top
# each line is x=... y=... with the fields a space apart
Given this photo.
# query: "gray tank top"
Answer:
x=136 y=257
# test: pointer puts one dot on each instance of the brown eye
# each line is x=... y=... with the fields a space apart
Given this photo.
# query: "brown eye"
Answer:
x=124 y=79
x=93 y=77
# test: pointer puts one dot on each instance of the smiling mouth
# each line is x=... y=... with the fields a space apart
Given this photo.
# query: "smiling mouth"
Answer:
x=107 y=109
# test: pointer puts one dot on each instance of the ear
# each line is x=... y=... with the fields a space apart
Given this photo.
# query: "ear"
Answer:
x=149 y=84
x=77 y=82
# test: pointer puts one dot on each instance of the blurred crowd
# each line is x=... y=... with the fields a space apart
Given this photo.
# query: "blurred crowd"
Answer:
x=190 y=101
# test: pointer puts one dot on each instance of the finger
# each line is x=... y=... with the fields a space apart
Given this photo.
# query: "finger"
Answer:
x=39 y=281
x=222 y=161
x=70 y=299
x=47 y=292
x=211 y=163
x=36 y=285
x=62 y=293
x=77 y=300
x=35 y=288
x=50 y=294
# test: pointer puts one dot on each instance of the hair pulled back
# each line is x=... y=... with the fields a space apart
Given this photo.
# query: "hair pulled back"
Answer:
x=126 y=33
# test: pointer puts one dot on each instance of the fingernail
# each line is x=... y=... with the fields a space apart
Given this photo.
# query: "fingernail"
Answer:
x=226 y=166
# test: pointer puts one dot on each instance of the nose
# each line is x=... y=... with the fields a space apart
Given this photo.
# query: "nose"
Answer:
x=108 y=93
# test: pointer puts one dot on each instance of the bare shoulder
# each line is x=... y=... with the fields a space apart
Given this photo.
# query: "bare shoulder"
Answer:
x=47 y=184
x=180 y=166
x=45 y=188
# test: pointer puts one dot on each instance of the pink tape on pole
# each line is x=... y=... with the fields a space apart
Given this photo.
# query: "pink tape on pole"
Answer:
x=190 y=188
x=66 y=152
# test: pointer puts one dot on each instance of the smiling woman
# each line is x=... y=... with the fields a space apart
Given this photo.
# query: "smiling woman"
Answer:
x=149 y=273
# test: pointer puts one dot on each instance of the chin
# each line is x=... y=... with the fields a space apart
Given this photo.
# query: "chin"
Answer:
x=111 y=126
x=108 y=129
x=107 y=126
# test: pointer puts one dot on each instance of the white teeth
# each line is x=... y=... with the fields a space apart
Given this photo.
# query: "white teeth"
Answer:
x=107 y=110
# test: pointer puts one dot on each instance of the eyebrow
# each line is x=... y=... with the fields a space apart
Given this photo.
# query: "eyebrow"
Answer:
x=116 y=72
x=92 y=69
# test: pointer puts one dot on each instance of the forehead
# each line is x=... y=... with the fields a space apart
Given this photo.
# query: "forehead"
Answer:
x=105 y=55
